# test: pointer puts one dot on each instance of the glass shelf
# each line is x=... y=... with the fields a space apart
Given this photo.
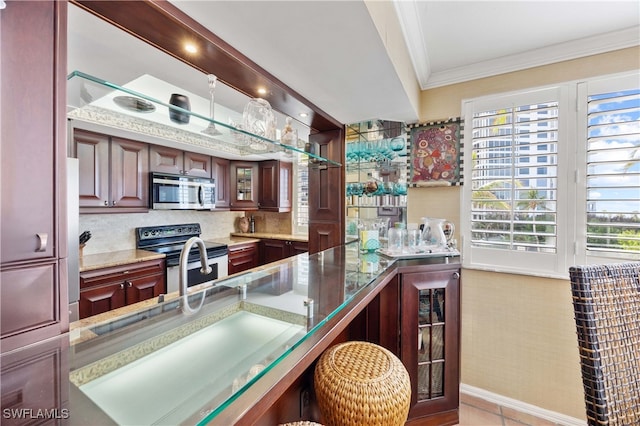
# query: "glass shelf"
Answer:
x=132 y=109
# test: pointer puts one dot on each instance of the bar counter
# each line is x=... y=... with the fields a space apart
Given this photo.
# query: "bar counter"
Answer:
x=224 y=358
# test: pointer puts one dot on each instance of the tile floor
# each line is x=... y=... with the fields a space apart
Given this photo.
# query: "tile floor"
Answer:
x=478 y=412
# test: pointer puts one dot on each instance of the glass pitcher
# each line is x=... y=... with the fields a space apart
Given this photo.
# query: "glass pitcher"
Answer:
x=433 y=236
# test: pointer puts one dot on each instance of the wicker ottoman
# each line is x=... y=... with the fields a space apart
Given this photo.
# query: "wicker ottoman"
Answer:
x=361 y=384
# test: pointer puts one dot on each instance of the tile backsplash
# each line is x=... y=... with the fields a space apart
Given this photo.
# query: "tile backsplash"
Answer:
x=116 y=231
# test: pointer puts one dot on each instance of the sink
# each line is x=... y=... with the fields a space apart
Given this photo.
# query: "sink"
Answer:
x=166 y=379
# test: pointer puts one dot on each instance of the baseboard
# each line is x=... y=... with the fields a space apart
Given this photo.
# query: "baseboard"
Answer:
x=523 y=407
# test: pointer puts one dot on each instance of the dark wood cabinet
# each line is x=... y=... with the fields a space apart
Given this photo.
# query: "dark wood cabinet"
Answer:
x=221 y=172
x=163 y=159
x=242 y=257
x=36 y=379
x=33 y=270
x=244 y=185
x=275 y=183
x=102 y=290
x=430 y=342
x=272 y=250
x=113 y=174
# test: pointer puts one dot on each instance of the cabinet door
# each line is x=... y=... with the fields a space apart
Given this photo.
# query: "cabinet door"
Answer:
x=97 y=300
x=430 y=339
x=243 y=257
x=273 y=250
x=129 y=173
x=32 y=91
x=197 y=164
x=163 y=159
x=275 y=186
x=92 y=151
x=244 y=185
x=298 y=247
x=143 y=288
x=220 y=169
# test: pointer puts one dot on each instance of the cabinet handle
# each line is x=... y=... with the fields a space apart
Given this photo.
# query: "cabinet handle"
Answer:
x=129 y=283
x=43 y=238
x=113 y=203
x=106 y=203
x=121 y=286
x=456 y=275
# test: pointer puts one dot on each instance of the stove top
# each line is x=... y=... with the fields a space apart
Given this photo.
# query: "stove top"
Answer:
x=170 y=239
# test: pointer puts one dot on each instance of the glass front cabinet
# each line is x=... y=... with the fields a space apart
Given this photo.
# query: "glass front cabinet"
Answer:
x=430 y=319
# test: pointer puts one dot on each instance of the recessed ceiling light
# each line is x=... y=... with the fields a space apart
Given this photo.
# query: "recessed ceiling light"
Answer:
x=191 y=48
x=303 y=114
x=262 y=91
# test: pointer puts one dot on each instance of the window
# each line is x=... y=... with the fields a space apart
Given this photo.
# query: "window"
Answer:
x=580 y=204
x=301 y=194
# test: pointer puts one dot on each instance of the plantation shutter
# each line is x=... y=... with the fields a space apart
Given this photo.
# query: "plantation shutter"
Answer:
x=613 y=173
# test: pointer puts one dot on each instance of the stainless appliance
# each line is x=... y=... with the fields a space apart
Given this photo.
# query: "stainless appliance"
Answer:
x=170 y=239
x=182 y=192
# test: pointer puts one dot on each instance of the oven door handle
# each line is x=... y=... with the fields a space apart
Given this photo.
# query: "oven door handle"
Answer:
x=200 y=198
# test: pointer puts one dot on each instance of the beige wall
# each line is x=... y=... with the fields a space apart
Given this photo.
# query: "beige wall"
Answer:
x=518 y=332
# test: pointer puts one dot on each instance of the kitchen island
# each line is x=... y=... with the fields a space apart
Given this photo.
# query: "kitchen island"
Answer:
x=243 y=357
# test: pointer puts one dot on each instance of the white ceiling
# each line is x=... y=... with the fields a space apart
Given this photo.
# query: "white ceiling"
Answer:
x=332 y=54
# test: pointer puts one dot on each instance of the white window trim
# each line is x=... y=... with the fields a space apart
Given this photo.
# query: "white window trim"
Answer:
x=571 y=207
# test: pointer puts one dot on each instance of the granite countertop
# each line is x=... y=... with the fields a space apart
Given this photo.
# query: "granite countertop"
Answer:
x=265 y=235
x=116 y=258
x=234 y=240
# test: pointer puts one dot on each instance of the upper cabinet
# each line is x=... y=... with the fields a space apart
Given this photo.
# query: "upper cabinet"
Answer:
x=174 y=161
x=244 y=185
x=275 y=186
x=113 y=172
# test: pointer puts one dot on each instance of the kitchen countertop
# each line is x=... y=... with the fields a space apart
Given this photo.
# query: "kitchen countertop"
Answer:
x=267 y=235
x=116 y=258
x=335 y=279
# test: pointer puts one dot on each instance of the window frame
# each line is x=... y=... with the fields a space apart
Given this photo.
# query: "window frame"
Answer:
x=571 y=187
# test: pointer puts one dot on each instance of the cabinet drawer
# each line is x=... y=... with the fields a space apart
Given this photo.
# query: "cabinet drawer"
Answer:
x=128 y=272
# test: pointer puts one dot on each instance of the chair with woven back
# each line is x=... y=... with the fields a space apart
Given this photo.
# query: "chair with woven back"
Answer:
x=606 y=301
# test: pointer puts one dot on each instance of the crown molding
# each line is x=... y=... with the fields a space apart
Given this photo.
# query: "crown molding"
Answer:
x=408 y=14
x=557 y=53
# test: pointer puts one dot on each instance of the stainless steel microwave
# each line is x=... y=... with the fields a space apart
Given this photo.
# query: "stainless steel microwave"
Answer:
x=182 y=192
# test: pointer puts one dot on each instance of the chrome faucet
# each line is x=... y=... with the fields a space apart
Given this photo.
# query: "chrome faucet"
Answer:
x=205 y=269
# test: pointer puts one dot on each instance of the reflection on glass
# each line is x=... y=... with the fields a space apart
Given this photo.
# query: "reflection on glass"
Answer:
x=243 y=179
x=431 y=330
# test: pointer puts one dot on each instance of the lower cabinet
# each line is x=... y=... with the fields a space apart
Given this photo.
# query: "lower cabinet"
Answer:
x=105 y=289
x=430 y=342
x=272 y=250
x=242 y=257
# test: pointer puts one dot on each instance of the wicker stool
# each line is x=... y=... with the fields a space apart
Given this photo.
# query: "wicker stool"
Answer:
x=362 y=384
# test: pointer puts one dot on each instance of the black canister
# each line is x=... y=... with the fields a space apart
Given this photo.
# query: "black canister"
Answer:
x=180 y=101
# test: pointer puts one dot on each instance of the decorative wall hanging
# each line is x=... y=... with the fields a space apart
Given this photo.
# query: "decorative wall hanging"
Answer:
x=435 y=153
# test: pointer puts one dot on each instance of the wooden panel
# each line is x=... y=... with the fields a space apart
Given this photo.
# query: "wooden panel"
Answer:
x=244 y=189
x=273 y=250
x=29 y=298
x=446 y=280
x=197 y=164
x=143 y=288
x=221 y=172
x=129 y=173
x=29 y=179
x=98 y=300
x=163 y=159
x=92 y=151
x=243 y=257
x=323 y=236
x=36 y=378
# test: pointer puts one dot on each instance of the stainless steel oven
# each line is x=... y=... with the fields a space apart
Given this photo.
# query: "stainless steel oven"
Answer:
x=170 y=239
x=180 y=192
